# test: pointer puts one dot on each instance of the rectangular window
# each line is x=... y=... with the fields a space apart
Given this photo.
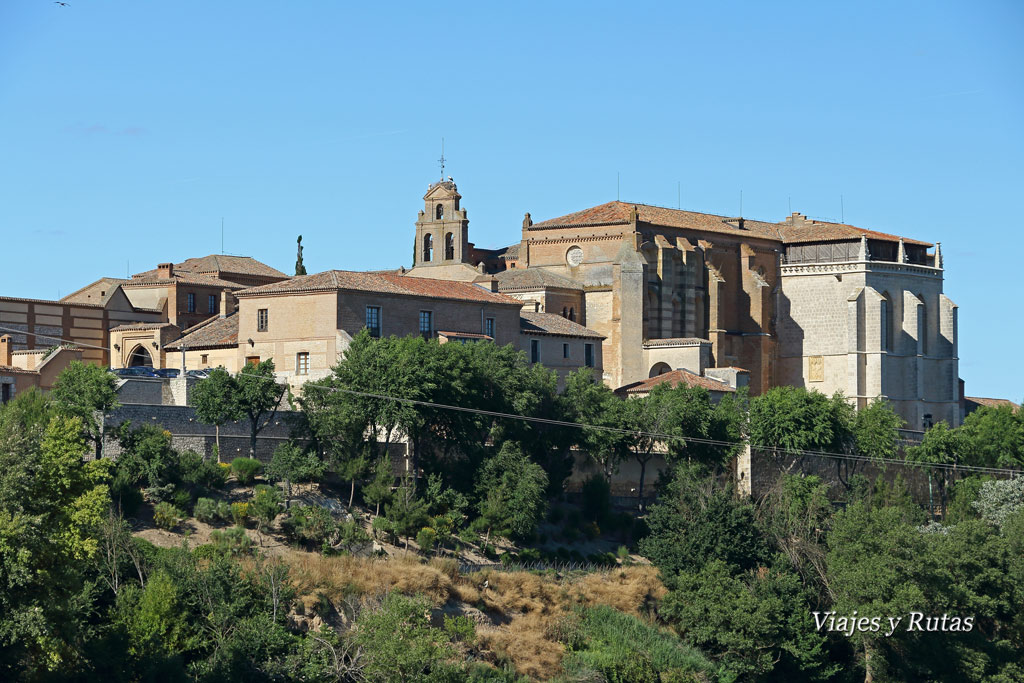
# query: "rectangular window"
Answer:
x=489 y=327
x=302 y=363
x=252 y=360
x=373 y=320
x=426 y=323
x=565 y=350
x=534 y=350
x=5 y=396
x=588 y=355
x=204 y=359
x=211 y=303
x=262 y=320
x=191 y=302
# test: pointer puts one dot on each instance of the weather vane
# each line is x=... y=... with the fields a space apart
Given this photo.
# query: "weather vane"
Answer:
x=441 y=160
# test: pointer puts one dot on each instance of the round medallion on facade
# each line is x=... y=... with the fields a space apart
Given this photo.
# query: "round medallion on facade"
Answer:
x=574 y=256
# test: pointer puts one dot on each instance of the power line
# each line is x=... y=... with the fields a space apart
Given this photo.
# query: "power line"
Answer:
x=617 y=430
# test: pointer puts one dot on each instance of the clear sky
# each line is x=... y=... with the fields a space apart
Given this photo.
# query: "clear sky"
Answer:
x=129 y=129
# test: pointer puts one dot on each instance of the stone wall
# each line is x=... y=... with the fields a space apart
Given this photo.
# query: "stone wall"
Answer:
x=188 y=433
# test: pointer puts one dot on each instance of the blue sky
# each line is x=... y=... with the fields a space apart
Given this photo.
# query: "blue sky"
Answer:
x=130 y=129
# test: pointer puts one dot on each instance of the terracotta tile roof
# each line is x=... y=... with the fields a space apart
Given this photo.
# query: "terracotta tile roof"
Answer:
x=992 y=402
x=467 y=335
x=519 y=279
x=808 y=230
x=226 y=265
x=11 y=370
x=549 y=323
x=382 y=283
x=99 y=291
x=676 y=341
x=50 y=302
x=618 y=213
x=140 y=326
x=674 y=378
x=214 y=332
x=510 y=252
x=152 y=277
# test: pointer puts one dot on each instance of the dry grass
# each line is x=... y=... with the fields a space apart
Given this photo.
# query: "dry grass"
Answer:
x=524 y=606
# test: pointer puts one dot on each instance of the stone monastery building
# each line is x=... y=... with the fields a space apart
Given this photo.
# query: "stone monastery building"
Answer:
x=632 y=290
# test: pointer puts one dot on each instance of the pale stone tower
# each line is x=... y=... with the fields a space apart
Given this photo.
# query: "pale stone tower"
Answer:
x=442 y=248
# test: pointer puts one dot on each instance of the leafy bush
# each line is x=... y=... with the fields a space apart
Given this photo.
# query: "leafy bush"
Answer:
x=309 y=523
x=224 y=511
x=266 y=504
x=233 y=541
x=181 y=499
x=205 y=510
x=460 y=629
x=239 y=513
x=200 y=473
x=426 y=538
x=167 y=516
x=246 y=469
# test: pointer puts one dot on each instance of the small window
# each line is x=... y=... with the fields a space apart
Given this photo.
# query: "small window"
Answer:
x=262 y=320
x=565 y=350
x=302 y=363
x=572 y=314
x=534 y=350
x=489 y=327
x=211 y=303
x=373 y=320
x=204 y=359
x=252 y=360
x=191 y=302
x=426 y=323
x=588 y=355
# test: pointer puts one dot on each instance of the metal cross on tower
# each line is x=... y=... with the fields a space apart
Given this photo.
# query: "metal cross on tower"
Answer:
x=441 y=160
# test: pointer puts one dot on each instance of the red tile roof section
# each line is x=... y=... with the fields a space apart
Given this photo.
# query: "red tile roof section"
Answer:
x=549 y=323
x=674 y=378
x=214 y=333
x=618 y=213
x=381 y=283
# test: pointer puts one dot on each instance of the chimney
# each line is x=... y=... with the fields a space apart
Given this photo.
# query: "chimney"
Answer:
x=5 y=350
x=227 y=303
x=165 y=271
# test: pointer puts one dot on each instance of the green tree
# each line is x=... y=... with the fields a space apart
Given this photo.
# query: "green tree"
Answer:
x=407 y=512
x=215 y=402
x=377 y=491
x=875 y=434
x=512 y=492
x=788 y=420
x=994 y=437
x=83 y=389
x=293 y=463
x=265 y=506
x=398 y=642
x=594 y=404
x=52 y=510
x=258 y=396
x=940 y=446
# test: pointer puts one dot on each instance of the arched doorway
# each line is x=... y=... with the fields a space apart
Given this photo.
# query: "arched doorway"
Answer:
x=140 y=358
x=660 y=369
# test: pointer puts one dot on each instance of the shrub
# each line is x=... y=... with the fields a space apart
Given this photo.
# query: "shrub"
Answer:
x=224 y=511
x=181 y=499
x=460 y=629
x=167 y=516
x=310 y=523
x=246 y=469
x=266 y=504
x=205 y=510
x=426 y=538
x=527 y=555
x=239 y=513
x=352 y=534
x=201 y=473
x=233 y=541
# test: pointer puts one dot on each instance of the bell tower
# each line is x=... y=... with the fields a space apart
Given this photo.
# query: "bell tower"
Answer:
x=442 y=229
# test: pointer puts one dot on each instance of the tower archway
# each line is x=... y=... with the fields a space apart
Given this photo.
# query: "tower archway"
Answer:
x=140 y=358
